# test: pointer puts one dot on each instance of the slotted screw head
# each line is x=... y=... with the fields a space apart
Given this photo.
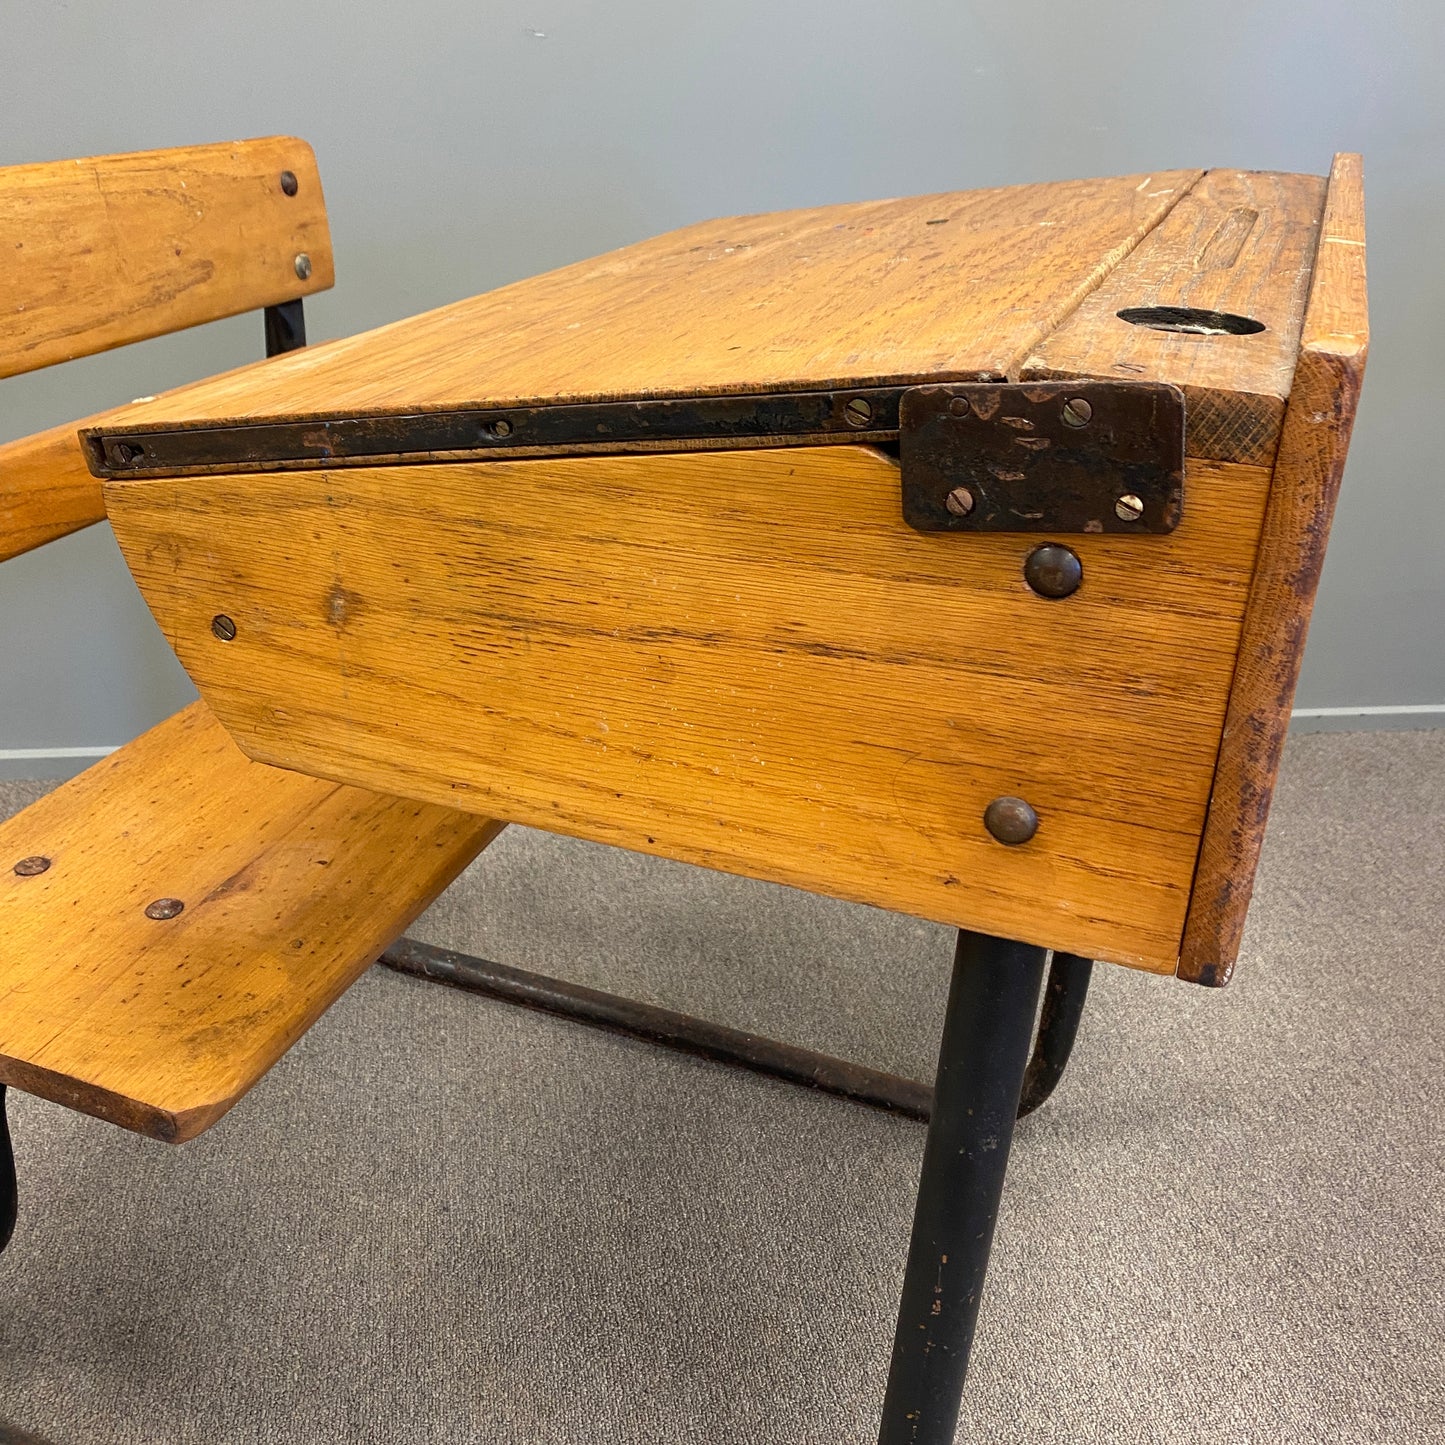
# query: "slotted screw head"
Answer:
x=1077 y=412
x=288 y=183
x=31 y=867
x=1129 y=508
x=164 y=908
x=859 y=411
x=223 y=627
x=959 y=501
x=303 y=266
x=1011 y=820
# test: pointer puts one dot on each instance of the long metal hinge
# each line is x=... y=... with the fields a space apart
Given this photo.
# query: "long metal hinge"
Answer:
x=1077 y=456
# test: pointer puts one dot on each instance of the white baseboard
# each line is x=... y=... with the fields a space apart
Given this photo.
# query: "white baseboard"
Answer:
x=47 y=762
x=1394 y=718
x=66 y=762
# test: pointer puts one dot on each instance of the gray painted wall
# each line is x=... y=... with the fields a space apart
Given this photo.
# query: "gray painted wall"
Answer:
x=463 y=145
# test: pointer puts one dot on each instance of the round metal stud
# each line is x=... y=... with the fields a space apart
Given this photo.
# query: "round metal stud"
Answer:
x=31 y=867
x=303 y=266
x=288 y=183
x=1129 y=508
x=859 y=411
x=958 y=406
x=164 y=908
x=1077 y=412
x=223 y=627
x=1053 y=571
x=959 y=501
x=1011 y=820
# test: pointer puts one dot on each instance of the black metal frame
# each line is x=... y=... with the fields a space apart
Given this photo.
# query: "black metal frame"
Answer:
x=987 y=1079
x=1058 y=1025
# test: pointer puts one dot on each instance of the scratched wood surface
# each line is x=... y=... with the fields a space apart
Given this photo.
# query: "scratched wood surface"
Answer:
x=744 y=660
x=1307 y=475
x=960 y=285
x=114 y=249
x=291 y=886
x=1240 y=243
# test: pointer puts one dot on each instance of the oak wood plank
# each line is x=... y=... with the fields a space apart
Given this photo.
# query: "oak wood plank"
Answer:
x=1242 y=243
x=291 y=886
x=1307 y=474
x=960 y=285
x=744 y=660
x=46 y=486
x=114 y=249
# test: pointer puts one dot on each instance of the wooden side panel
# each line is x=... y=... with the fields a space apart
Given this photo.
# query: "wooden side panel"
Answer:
x=1307 y=474
x=744 y=660
x=291 y=886
x=1240 y=243
x=961 y=285
x=115 y=249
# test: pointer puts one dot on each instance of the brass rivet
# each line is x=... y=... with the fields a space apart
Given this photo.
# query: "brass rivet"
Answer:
x=164 y=908
x=1011 y=820
x=303 y=266
x=1077 y=412
x=223 y=627
x=859 y=411
x=288 y=182
x=1129 y=508
x=1053 y=571
x=959 y=501
x=32 y=867
x=958 y=406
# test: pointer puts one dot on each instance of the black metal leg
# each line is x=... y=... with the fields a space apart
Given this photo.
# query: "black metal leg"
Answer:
x=981 y=1062
x=7 y=1178
x=1064 y=997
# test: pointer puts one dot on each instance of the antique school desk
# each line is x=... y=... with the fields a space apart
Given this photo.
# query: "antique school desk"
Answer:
x=952 y=554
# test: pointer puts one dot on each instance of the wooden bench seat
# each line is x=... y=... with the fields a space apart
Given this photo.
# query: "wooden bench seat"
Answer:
x=291 y=887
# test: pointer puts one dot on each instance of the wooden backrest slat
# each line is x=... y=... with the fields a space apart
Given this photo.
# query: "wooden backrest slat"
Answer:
x=115 y=249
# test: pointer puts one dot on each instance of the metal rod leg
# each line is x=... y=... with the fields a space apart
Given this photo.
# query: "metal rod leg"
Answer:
x=981 y=1061
x=1064 y=997
x=8 y=1203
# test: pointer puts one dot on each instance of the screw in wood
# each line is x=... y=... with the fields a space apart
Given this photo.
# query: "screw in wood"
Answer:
x=1011 y=820
x=1129 y=508
x=31 y=867
x=1077 y=412
x=959 y=501
x=164 y=908
x=288 y=183
x=223 y=627
x=303 y=266
x=1053 y=571
x=859 y=411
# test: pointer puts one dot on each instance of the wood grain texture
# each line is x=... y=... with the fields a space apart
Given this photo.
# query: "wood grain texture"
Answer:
x=1240 y=242
x=292 y=886
x=1307 y=475
x=744 y=660
x=961 y=285
x=114 y=249
x=46 y=487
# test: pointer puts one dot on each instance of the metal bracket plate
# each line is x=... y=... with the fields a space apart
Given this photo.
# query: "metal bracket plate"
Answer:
x=1054 y=456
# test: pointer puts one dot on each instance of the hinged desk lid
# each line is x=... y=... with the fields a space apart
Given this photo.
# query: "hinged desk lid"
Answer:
x=793 y=327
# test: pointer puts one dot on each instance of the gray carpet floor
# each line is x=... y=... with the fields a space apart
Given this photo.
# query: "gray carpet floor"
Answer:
x=442 y=1219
